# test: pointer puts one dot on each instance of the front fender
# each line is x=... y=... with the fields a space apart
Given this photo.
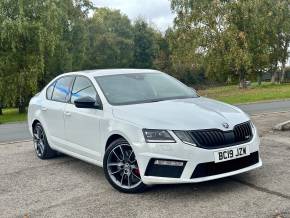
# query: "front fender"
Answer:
x=128 y=131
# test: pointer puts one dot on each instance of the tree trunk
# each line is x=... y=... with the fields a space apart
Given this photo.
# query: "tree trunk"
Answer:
x=282 y=79
x=229 y=79
x=242 y=80
x=259 y=78
x=21 y=106
x=274 y=76
x=21 y=109
x=1 y=111
x=274 y=73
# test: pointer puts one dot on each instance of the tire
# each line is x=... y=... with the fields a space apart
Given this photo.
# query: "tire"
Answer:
x=121 y=168
x=41 y=146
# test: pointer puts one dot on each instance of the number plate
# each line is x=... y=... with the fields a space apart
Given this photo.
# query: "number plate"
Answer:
x=230 y=154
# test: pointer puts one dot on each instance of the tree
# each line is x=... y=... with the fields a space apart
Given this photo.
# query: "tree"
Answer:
x=232 y=38
x=145 y=45
x=200 y=40
x=71 y=31
x=278 y=36
x=283 y=32
x=41 y=39
x=2 y=90
x=23 y=39
x=249 y=20
x=162 y=54
x=110 y=40
x=36 y=36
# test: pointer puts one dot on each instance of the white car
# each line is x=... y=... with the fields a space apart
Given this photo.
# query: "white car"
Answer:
x=143 y=127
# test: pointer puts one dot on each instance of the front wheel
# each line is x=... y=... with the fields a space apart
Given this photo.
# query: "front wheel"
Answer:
x=121 y=167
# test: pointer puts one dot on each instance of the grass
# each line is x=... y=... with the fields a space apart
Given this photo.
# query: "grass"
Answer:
x=12 y=115
x=234 y=95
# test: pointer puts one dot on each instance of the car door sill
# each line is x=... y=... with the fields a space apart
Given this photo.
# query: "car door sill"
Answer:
x=81 y=157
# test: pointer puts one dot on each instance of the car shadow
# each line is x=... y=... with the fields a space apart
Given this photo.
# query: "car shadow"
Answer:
x=218 y=183
x=211 y=187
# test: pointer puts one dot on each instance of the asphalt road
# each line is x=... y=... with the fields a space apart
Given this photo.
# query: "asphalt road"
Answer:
x=266 y=107
x=67 y=187
x=14 y=132
x=19 y=131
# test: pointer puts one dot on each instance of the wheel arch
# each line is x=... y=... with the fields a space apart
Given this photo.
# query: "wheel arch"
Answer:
x=114 y=137
x=35 y=121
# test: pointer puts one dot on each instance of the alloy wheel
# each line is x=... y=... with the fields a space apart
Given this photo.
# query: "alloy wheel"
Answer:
x=123 y=168
x=39 y=140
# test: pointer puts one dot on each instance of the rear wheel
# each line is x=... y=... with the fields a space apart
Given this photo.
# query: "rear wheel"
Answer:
x=41 y=146
x=121 y=167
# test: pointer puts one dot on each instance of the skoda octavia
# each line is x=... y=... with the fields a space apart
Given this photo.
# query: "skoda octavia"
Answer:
x=143 y=127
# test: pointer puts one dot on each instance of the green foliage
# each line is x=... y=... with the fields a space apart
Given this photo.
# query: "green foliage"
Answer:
x=145 y=45
x=37 y=40
x=42 y=39
x=231 y=39
x=110 y=40
x=162 y=53
x=214 y=40
x=69 y=52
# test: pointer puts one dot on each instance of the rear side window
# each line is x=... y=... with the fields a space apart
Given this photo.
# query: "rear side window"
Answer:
x=83 y=88
x=49 y=91
x=62 y=89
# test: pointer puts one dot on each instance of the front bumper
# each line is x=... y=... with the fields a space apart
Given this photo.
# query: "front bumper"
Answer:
x=193 y=157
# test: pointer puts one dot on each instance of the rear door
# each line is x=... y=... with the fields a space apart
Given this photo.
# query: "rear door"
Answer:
x=82 y=125
x=57 y=95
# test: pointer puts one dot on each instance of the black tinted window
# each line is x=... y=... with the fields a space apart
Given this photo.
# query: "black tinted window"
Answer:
x=49 y=91
x=82 y=88
x=62 y=89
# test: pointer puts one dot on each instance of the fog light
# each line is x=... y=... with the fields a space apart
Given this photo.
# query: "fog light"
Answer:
x=168 y=163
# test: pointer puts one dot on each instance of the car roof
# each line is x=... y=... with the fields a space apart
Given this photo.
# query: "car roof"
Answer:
x=106 y=72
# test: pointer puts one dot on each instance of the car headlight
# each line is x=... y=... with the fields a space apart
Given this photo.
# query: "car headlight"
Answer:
x=157 y=136
x=185 y=137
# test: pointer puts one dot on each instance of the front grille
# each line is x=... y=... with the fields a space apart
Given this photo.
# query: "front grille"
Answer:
x=216 y=138
x=212 y=168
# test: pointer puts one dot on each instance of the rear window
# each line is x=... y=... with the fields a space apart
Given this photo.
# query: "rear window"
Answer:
x=62 y=88
x=49 y=91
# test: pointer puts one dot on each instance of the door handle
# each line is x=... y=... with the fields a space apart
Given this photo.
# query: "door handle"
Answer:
x=66 y=113
x=44 y=108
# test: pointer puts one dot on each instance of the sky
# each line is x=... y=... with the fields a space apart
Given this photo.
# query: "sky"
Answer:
x=157 y=12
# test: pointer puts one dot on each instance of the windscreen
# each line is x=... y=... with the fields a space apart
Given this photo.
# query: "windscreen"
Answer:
x=137 y=88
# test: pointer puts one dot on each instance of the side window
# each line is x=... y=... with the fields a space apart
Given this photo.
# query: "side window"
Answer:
x=49 y=91
x=62 y=89
x=82 y=88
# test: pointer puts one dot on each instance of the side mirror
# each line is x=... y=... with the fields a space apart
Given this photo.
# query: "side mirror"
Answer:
x=87 y=102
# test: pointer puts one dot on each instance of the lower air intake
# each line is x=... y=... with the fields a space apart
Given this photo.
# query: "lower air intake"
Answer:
x=212 y=168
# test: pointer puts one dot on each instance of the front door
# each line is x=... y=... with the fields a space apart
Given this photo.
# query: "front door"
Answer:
x=82 y=125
